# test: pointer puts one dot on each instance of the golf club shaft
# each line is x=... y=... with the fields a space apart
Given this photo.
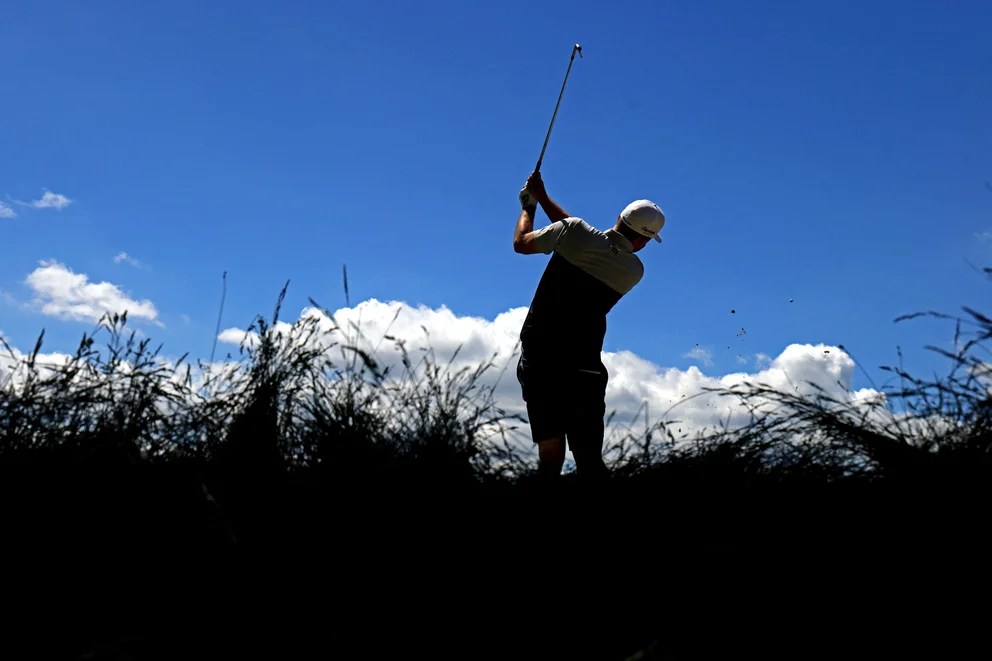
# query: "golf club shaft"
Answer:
x=575 y=49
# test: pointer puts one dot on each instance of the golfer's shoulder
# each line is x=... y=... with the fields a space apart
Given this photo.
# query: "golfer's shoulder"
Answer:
x=579 y=223
x=578 y=230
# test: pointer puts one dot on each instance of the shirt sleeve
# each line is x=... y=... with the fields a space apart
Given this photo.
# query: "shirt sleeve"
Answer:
x=547 y=238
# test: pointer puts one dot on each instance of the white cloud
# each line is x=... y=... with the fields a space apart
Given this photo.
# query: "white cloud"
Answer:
x=51 y=200
x=238 y=337
x=762 y=360
x=670 y=394
x=699 y=353
x=6 y=211
x=13 y=363
x=688 y=399
x=124 y=258
x=984 y=237
x=59 y=292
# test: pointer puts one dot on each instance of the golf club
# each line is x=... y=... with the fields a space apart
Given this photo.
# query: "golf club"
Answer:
x=575 y=49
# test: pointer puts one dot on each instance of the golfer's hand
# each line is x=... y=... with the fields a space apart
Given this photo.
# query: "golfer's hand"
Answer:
x=536 y=187
x=527 y=200
x=533 y=192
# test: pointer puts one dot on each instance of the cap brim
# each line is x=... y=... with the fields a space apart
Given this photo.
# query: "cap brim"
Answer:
x=657 y=237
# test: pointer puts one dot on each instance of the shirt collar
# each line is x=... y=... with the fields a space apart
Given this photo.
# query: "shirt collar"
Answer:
x=619 y=240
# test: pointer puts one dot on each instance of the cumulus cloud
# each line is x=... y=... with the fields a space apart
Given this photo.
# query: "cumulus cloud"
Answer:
x=984 y=237
x=639 y=390
x=13 y=363
x=61 y=293
x=124 y=258
x=699 y=353
x=388 y=330
x=50 y=200
x=669 y=394
x=238 y=337
x=6 y=211
x=686 y=395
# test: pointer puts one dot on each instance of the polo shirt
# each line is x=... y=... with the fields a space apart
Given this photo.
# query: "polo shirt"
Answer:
x=589 y=271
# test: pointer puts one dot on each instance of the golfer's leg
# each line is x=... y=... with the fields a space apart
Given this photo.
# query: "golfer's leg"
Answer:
x=589 y=462
x=540 y=391
x=551 y=457
x=586 y=428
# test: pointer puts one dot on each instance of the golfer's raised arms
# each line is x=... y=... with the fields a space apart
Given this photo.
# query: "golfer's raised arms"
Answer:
x=524 y=236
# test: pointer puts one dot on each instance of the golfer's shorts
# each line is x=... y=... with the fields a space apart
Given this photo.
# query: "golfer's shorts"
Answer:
x=564 y=403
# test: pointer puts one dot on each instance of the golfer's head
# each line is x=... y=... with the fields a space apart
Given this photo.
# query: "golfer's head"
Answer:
x=643 y=219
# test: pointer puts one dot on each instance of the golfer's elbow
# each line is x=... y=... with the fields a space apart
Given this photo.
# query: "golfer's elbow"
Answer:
x=523 y=240
x=524 y=245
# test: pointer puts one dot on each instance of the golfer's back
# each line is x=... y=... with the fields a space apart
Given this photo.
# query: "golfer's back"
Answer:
x=589 y=271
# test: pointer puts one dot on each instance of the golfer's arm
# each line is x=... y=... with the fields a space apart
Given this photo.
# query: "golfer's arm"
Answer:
x=553 y=211
x=523 y=242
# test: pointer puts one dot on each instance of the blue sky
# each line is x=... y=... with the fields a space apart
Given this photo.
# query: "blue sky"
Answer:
x=823 y=167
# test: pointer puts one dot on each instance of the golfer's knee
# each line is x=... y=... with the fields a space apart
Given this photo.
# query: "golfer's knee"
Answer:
x=551 y=456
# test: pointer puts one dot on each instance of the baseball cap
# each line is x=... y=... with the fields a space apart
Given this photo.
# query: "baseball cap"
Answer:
x=644 y=217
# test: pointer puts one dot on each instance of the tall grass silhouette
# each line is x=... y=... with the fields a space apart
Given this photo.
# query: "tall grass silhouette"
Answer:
x=915 y=429
x=319 y=451
x=298 y=396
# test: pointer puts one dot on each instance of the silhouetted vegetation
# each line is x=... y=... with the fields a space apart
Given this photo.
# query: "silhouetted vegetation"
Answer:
x=306 y=496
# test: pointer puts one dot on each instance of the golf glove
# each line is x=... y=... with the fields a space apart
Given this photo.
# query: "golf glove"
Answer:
x=527 y=200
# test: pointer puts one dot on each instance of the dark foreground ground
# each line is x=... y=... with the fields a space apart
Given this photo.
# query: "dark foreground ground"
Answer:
x=160 y=563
